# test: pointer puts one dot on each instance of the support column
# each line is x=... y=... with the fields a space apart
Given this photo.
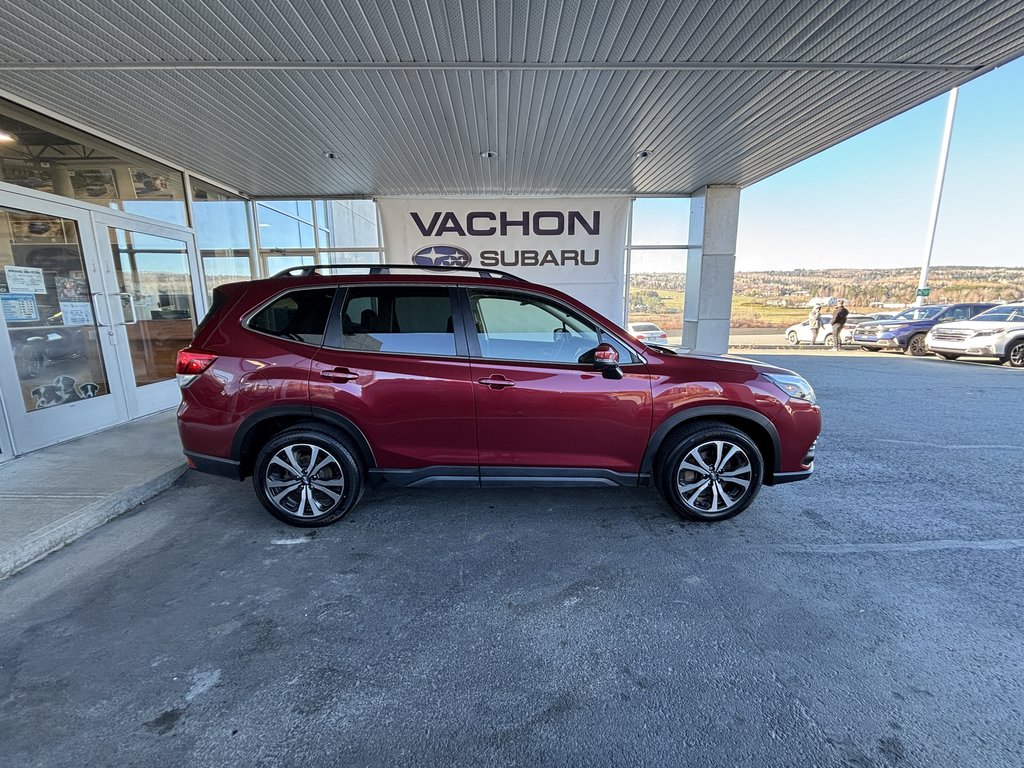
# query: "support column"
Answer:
x=710 y=266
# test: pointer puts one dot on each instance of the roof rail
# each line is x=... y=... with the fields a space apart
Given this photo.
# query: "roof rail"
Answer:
x=385 y=269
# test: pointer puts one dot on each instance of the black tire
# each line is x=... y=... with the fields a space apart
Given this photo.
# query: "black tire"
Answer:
x=830 y=341
x=916 y=346
x=793 y=339
x=680 y=486
x=303 y=499
x=948 y=356
x=1015 y=354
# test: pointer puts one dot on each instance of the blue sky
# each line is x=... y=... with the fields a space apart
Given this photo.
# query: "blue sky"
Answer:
x=865 y=202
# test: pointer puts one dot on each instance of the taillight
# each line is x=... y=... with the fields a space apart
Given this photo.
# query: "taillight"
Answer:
x=663 y=336
x=190 y=364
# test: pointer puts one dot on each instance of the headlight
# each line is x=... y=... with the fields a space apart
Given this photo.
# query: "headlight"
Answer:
x=993 y=332
x=793 y=385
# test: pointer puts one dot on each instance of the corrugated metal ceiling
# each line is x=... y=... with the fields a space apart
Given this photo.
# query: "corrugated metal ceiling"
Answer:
x=409 y=92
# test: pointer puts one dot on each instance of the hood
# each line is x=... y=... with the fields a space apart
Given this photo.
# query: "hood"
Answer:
x=732 y=362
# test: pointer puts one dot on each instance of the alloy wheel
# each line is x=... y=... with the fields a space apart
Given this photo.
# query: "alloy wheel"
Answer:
x=714 y=476
x=304 y=481
x=1016 y=356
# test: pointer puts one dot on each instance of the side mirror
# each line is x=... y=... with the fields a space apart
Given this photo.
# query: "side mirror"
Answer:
x=606 y=360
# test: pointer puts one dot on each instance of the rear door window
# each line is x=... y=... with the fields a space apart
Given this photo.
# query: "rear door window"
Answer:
x=414 y=320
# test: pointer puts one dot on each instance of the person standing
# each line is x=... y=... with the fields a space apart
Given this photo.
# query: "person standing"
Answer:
x=838 y=322
x=814 y=321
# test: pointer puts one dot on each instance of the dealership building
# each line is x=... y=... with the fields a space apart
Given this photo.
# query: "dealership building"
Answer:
x=151 y=151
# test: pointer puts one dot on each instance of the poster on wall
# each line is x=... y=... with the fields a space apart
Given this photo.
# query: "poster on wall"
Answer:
x=150 y=185
x=575 y=245
x=93 y=184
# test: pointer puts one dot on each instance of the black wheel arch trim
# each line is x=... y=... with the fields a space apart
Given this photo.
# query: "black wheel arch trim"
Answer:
x=710 y=412
x=308 y=413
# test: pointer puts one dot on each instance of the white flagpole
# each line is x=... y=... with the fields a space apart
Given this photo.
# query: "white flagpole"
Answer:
x=940 y=178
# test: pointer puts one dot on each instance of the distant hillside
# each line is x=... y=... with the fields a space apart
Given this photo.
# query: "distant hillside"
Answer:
x=778 y=298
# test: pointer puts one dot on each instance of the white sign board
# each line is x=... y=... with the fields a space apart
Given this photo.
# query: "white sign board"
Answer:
x=25 y=280
x=76 y=312
x=575 y=245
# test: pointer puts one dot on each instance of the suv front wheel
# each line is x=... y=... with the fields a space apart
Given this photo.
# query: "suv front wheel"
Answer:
x=308 y=476
x=710 y=471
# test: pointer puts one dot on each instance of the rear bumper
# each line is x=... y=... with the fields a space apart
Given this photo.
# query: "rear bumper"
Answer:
x=214 y=465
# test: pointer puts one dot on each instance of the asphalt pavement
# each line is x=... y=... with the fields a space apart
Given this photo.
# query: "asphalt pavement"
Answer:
x=871 y=616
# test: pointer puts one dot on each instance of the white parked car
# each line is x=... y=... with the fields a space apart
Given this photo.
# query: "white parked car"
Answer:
x=996 y=332
x=648 y=333
x=800 y=333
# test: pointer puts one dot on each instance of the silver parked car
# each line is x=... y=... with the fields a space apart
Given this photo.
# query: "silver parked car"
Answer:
x=800 y=333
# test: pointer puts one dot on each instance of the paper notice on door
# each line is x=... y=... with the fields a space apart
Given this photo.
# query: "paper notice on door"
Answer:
x=25 y=280
x=76 y=312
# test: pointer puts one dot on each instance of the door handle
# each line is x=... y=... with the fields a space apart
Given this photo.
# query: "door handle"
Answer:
x=497 y=382
x=96 y=309
x=130 y=303
x=338 y=374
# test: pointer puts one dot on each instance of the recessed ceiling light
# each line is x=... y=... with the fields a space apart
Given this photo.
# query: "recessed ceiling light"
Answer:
x=330 y=155
x=643 y=154
x=487 y=154
x=5 y=136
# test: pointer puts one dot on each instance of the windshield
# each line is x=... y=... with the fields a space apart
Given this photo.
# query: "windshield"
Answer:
x=919 y=313
x=1002 y=314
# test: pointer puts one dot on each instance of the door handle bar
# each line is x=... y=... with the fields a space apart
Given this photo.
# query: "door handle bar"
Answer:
x=498 y=383
x=131 y=303
x=338 y=374
x=96 y=309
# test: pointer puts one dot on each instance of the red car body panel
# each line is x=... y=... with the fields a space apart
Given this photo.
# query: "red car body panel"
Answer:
x=417 y=412
x=558 y=416
x=414 y=411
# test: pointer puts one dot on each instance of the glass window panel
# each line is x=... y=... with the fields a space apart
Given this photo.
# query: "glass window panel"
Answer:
x=353 y=223
x=661 y=221
x=662 y=260
x=156 y=300
x=280 y=230
x=276 y=261
x=401 y=320
x=222 y=232
x=47 y=311
x=49 y=157
x=350 y=257
x=297 y=209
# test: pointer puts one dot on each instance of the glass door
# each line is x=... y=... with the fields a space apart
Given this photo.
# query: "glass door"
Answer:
x=58 y=370
x=152 y=284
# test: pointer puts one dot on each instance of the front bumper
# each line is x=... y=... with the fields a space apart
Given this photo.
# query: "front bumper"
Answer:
x=877 y=343
x=969 y=347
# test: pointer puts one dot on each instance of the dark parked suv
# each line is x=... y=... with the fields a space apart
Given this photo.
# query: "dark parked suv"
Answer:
x=319 y=384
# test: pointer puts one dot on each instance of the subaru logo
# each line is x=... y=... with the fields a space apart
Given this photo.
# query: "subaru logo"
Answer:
x=442 y=256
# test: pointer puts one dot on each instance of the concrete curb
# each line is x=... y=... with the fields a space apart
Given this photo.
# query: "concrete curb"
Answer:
x=81 y=521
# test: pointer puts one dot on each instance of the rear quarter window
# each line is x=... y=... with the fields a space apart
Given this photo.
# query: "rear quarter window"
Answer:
x=299 y=315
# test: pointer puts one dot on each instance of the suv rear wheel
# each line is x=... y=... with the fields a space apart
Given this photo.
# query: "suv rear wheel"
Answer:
x=308 y=476
x=710 y=471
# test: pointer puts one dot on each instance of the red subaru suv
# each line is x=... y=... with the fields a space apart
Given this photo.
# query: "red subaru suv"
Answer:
x=318 y=384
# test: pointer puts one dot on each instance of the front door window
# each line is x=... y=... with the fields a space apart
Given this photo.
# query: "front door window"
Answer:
x=48 y=310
